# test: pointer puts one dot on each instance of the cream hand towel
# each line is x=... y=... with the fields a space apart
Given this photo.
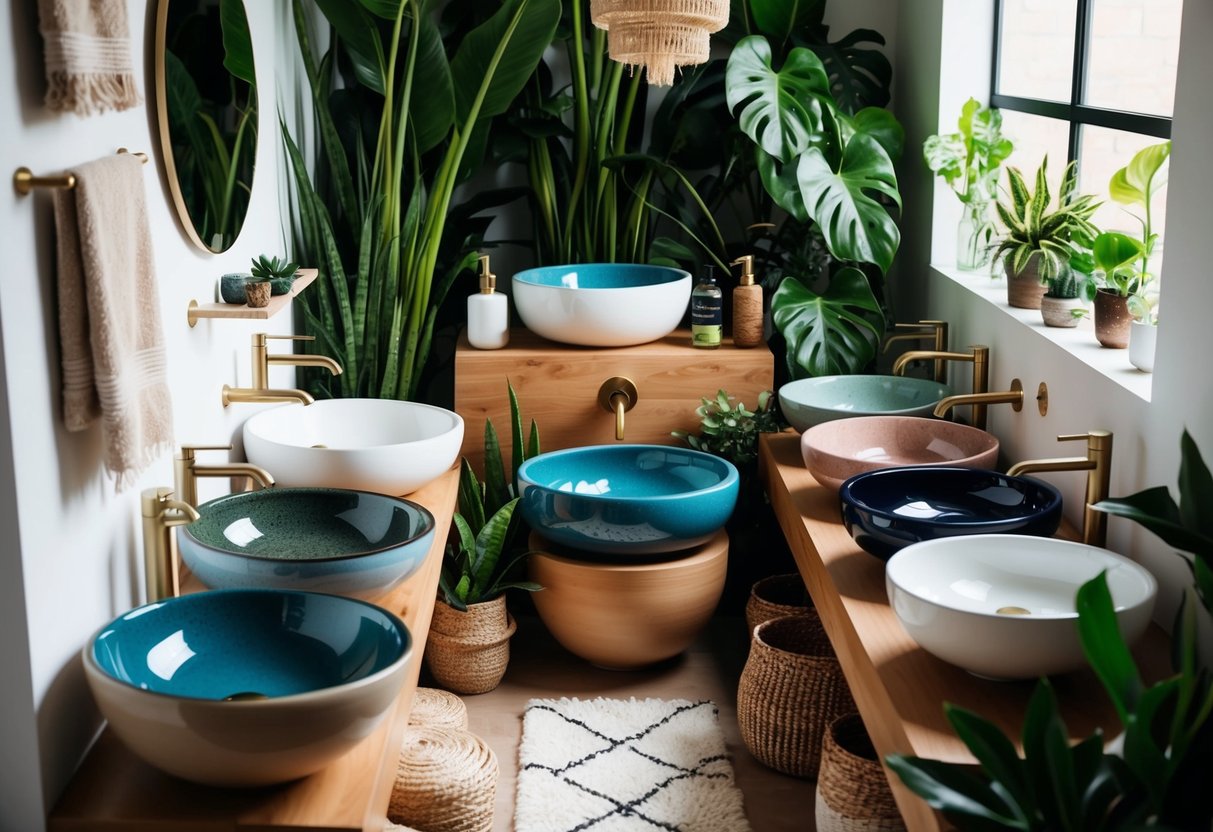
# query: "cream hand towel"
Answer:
x=88 y=56
x=109 y=316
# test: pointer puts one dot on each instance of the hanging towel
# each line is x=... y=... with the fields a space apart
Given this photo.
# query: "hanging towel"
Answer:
x=88 y=56
x=109 y=315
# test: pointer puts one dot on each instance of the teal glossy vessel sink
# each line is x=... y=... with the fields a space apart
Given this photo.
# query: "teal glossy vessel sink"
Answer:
x=811 y=401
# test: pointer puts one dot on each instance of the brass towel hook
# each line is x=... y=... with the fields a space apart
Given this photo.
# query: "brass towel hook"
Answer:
x=24 y=180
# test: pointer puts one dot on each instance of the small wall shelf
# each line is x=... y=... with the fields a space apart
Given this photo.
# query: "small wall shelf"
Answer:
x=237 y=310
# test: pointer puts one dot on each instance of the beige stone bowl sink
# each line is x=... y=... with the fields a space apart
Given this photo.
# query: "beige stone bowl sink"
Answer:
x=835 y=451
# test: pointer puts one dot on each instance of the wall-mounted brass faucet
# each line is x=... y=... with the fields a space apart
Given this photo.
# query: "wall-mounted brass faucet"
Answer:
x=979 y=357
x=186 y=472
x=261 y=390
x=160 y=514
x=618 y=395
x=1098 y=465
x=934 y=331
x=981 y=401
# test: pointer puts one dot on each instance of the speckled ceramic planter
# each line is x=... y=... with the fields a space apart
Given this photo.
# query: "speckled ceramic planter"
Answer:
x=1059 y=312
x=258 y=293
x=1112 y=319
x=1024 y=288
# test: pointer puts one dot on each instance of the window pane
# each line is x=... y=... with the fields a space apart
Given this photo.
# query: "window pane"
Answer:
x=1037 y=48
x=1133 y=53
x=1103 y=152
x=1035 y=136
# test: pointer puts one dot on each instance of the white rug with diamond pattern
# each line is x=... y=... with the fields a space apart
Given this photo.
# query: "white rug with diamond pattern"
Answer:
x=615 y=765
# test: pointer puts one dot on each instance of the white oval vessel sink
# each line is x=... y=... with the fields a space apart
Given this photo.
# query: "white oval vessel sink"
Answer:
x=382 y=445
x=1002 y=606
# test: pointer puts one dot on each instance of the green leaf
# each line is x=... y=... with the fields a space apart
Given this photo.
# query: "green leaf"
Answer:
x=828 y=334
x=237 y=42
x=997 y=756
x=448 y=590
x=781 y=18
x=489 y=544
x=779 y=109
x=471 y=499
x=432 y=103
x=859 y=77
x=1156 y=510
x=515 y=37
x=360 y=36
x=387 y=9
x=517 y=449
x=781 y=184
x=1114 y=252
x=881 y=125
x=1138 y=181
x=467 y=538
x=952 y=789
x=945 y=156
x=1195 y=490
x=496 y=488
x=1104 y=647
x=855 y=226
x=1048 y=761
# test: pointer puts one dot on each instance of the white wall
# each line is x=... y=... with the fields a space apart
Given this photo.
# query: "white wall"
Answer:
x=70 y=557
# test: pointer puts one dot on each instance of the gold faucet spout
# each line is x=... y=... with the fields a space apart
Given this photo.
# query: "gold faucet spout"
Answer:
x=899 y=366
x=1098 y=465
x=236 y=469
x=619 y=403
x=256 y=394
x=304 y=360
x=1013 y=397
x=160 y=514
x=187 y=471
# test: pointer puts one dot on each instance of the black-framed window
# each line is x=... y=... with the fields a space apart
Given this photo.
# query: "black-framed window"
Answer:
x=1092 y=80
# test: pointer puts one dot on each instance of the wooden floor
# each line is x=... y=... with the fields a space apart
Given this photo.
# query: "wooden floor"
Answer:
x=541 y=668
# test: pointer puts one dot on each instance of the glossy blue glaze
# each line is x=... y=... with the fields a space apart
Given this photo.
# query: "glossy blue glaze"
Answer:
x=212 y=645
x=811 y=401
x=600 y=276
x=888 y=509
x=627 y=499
x=320 y=539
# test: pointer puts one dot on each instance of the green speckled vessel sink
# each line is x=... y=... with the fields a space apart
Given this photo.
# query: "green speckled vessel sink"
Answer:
x=811 y=401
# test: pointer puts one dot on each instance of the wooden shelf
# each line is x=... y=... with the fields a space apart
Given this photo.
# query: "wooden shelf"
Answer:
x=238 y=310
x=899 y=687
x=115 y=791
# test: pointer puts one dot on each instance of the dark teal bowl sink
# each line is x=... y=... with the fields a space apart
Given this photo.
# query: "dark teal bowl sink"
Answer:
x=335 y=540
x=890 y=508
x=627 y=499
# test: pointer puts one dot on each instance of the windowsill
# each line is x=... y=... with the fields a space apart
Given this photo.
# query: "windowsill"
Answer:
x=1078 y=342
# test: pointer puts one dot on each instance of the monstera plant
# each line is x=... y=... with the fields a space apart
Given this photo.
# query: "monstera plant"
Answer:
x=832 y=171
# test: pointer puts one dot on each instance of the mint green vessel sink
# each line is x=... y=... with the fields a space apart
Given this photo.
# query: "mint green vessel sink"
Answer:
x=811 y=401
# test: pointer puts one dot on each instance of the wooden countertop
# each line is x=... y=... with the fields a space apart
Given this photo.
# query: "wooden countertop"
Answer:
x=899 y=687
x=115 y=791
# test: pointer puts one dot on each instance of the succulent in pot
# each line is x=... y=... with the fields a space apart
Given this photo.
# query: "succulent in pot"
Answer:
x=1062 y=304
x=280 y=274
x=1039 y=242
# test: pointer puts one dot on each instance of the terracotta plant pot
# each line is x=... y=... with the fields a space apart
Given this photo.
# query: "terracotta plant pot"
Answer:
x=1024 y=288
x=1142 y=338
x=468 y=651
x=1112 y=319
x=1059 y=311
x=627 y=615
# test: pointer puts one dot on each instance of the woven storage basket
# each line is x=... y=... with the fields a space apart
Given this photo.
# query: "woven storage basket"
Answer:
x=790 y=691
x=446 y=781
x=853 y=792
x=775 y=596
x=468 y=651
x=438 y=709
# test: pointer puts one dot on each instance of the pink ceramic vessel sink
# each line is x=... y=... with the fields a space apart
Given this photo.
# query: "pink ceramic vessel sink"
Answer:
x=835 y=451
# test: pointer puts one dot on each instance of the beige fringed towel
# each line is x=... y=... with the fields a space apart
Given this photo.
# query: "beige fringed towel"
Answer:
x=109 y=316
x=88 y=56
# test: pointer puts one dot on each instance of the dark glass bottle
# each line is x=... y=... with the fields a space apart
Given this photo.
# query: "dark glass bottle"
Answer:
x=707 y=316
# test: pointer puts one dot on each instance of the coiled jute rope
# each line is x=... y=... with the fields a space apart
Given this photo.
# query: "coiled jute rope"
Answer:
x=446 y=781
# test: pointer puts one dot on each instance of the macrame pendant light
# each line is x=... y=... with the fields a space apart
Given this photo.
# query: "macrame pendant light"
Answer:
x=659 y=35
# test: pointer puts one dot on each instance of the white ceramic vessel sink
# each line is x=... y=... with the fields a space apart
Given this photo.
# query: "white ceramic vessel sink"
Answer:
x=1002 y=606
x=382 y=445
x=602 y=304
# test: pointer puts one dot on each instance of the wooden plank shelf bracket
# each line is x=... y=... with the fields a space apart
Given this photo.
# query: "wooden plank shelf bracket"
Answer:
x=198 y=310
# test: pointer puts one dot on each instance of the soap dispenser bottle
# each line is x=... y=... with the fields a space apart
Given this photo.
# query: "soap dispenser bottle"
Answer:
x=747 y=306
x=706 y=311
x=488 y=313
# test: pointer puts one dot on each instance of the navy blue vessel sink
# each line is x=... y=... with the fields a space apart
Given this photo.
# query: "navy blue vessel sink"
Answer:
x=890 y=508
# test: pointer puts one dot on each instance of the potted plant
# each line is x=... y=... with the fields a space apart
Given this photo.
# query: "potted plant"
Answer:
x=1160 y=778
x=1062 y=304
x=279 y=273
x=1123 y=260
x=1143 y=332
x=1040 y=242
x=468 y=648
x=969 y=161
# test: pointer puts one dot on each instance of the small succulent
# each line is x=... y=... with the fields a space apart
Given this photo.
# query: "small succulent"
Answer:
x=267 y=268
x=732 y=432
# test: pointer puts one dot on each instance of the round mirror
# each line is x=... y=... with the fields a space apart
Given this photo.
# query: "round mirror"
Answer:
x=206 y=101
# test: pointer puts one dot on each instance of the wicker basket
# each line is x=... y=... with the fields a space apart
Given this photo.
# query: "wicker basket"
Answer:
x=468 y=651
x=446 y=781
x=775 y=596
x=853 y=792
x=790 y=691
x=435 y=708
